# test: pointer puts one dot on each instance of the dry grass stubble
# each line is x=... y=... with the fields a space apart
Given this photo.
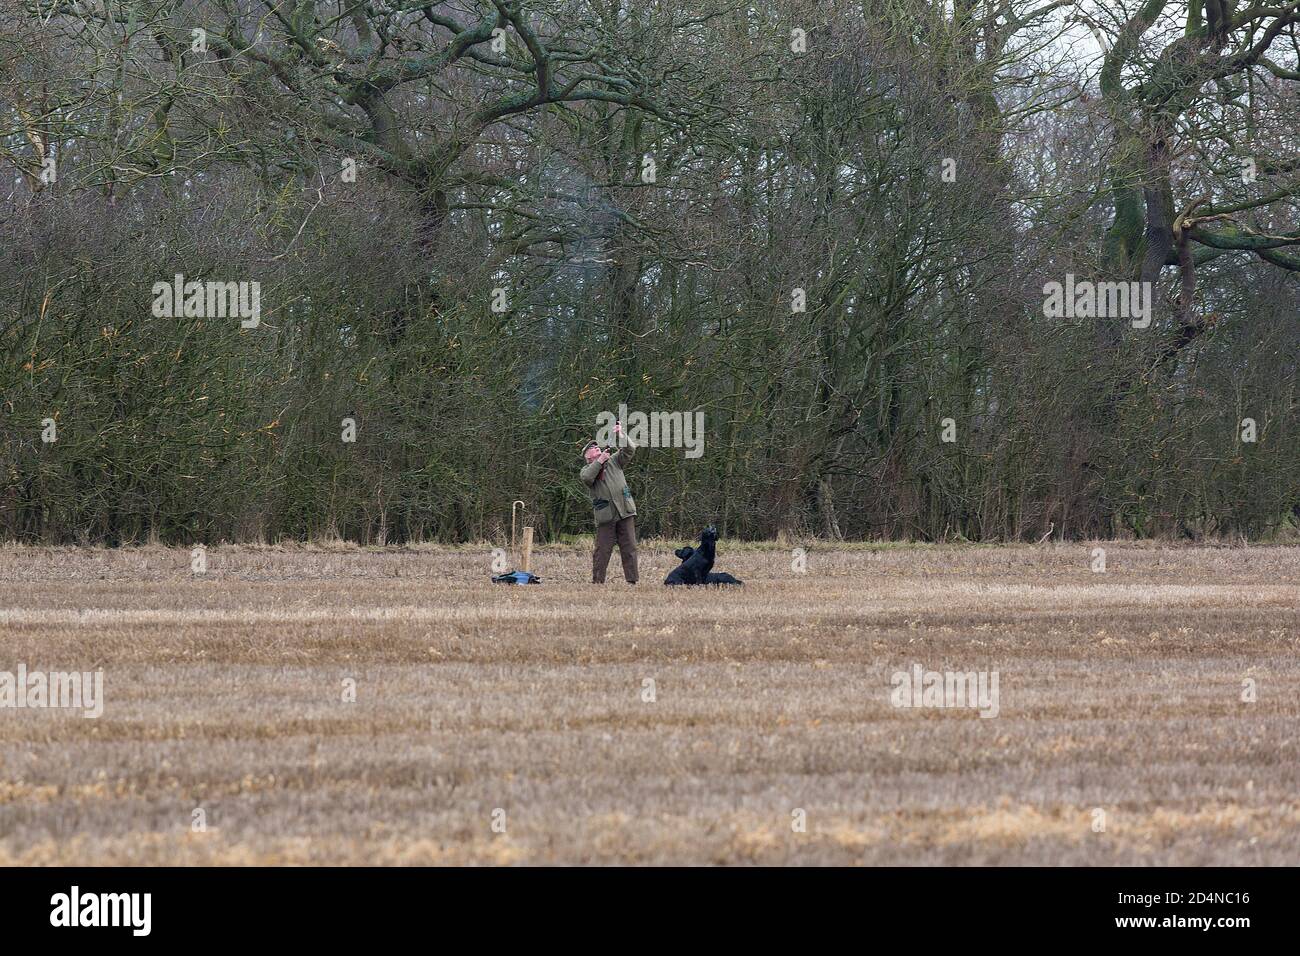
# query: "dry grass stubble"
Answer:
x=1119 y=691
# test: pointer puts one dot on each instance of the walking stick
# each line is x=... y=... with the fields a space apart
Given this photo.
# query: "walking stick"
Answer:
x=514 y=543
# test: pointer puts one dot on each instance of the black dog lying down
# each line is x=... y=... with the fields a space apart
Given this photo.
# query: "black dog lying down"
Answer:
x=697 y=563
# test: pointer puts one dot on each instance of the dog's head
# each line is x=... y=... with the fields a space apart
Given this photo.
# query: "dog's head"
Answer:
x=684 y=553
x=709 y=534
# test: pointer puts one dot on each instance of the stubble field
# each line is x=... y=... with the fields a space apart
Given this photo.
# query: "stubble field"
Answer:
x=496 y=724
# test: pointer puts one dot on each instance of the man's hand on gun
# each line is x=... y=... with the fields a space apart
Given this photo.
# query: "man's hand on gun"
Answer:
x=618 y=430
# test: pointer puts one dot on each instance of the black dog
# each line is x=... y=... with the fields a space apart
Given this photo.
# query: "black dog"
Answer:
x=697 y=563
x=722 y=577
x=714 y=577
x=696 y=567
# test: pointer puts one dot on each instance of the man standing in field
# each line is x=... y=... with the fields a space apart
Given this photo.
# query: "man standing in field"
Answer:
x=612 y=505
